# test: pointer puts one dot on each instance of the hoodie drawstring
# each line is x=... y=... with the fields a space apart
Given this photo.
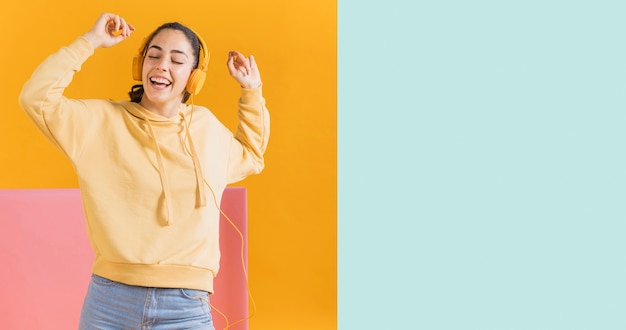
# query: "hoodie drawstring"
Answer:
x=164 y=181
x=200 y=190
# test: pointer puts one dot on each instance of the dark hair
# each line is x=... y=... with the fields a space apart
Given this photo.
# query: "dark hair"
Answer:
x=136 y=91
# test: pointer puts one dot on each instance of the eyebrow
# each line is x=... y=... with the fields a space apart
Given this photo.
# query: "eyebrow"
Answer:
x=173 y=50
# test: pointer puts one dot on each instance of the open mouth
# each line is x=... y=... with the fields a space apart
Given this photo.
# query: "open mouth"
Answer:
x=158 y=81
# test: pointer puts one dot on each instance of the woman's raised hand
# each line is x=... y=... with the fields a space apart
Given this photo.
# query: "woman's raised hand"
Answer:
x=109 y=30
x=243 y=70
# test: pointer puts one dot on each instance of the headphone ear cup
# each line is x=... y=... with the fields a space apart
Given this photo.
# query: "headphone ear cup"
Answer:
x=195 y=82
x=137 y=67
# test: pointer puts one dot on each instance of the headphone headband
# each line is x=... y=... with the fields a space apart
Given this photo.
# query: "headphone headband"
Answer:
x=203 y=62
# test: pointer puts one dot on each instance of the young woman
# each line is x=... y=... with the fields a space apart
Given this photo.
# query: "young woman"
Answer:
x=151 y=171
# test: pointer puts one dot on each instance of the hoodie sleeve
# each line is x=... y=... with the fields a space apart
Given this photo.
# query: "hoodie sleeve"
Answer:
x=61 y=120
x=250 y=140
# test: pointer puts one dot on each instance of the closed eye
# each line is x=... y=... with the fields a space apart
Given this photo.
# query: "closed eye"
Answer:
x=177 y=57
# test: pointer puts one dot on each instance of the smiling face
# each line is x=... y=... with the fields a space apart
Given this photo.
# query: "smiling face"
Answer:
x=166 y=68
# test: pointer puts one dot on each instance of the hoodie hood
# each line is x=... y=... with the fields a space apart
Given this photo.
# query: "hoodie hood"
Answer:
x=183 y=120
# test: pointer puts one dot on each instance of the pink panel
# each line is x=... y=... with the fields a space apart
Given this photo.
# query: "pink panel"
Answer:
x=46 y=259
x=231 y=294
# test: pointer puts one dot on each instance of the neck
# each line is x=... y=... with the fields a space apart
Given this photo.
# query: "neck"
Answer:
x=167 y=110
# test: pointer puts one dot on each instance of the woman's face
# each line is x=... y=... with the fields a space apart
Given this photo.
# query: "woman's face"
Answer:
x=166 y=68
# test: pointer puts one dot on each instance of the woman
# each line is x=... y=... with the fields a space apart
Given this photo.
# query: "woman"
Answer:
x=151 y=172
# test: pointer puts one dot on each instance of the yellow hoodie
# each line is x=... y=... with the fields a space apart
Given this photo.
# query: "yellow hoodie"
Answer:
x=147 y=181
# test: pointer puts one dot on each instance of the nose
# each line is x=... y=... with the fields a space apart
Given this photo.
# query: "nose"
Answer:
x=161 y=65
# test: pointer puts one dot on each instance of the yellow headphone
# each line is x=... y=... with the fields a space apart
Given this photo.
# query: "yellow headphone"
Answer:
x=198 y=75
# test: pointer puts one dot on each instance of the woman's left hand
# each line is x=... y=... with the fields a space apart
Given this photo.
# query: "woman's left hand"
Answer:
x=243 y=70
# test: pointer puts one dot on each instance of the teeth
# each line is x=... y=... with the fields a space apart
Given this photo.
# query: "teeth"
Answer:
x=159 y=80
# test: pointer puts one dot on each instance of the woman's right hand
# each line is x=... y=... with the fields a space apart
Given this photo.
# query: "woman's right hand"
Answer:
x=109 y=30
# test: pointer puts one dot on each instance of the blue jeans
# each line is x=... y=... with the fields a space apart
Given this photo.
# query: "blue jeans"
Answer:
x=112 y=305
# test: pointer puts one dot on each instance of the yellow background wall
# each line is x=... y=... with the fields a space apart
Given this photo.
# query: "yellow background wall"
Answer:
x=292 y=204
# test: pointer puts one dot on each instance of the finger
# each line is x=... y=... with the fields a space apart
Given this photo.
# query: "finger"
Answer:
x=252 y=63
x=248 y=66
x=231 y=61
x=109 y=27
x=239 y=57
x=116 y=25
x=127 y=28
x=243 y=63
x=124 y=27
x=113 y=25
x=237 y=62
